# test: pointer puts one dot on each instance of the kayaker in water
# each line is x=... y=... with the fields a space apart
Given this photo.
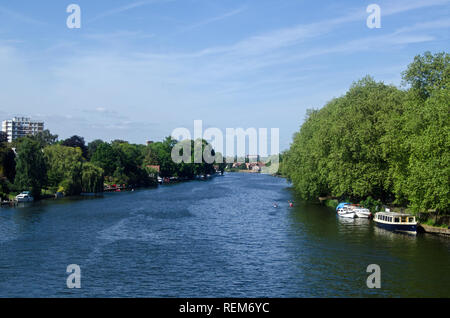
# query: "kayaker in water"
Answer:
x=275 y=205
x=291 y=204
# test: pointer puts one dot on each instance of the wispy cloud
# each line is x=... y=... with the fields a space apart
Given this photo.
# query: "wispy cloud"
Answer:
x=19 y=16
x=408 y=5
x=213 y=19
x=125 y=8
x=119 y=35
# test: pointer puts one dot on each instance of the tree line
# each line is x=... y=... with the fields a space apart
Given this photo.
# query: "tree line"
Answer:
x=44 y=164
x=380 y=142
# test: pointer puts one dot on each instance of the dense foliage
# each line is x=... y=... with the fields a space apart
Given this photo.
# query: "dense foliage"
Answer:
x=72 y=167
x=380 y=141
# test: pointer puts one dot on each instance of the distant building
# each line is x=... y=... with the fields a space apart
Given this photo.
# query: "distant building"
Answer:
x=20 y=127
x=252 y=158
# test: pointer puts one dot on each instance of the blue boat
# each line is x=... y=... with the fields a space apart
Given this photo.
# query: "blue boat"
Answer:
x=397 y=222
x=341 y=205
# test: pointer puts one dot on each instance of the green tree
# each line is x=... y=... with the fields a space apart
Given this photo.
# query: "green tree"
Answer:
x=92 y=178
x=64 y=169
x=92 y=147
x=380 y=143
x=428 y=72
x=45 y=138
x=106 y=157
x=31 y=169
x=76 y=142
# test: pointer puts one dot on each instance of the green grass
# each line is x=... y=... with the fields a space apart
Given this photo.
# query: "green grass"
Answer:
x=431 y=223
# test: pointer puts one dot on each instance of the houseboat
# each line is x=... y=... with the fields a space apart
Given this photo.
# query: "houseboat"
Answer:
x=397 y=222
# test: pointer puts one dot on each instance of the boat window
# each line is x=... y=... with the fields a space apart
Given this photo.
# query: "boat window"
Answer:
x=390 y=219
x=403 y=218
x=411 y=220
x=396 y=220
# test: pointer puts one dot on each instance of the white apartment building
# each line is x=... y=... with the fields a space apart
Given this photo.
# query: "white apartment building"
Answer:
x=21 y=127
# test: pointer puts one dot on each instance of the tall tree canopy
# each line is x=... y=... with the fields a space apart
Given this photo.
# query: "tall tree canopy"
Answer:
x=31 y=168
x=380 y=141
x=64 y=168
x=77 y=142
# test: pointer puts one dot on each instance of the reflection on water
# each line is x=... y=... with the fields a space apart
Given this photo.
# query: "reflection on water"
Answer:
x=219 y=238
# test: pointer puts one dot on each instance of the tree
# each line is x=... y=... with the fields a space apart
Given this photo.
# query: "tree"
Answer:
x=427 y=182
x=337 y=151
x=31 y=170
x=92 y=178
x=92 y=147
x=64 y=169
x=380 y=143
x=7 y=163
x=106 y=158
x=428 y=72
x=3 y=137
x=45 y=138
x=76 y=142
x=7 y=159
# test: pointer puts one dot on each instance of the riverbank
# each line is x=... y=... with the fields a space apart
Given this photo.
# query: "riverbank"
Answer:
x=423 y=228
x=428 y=222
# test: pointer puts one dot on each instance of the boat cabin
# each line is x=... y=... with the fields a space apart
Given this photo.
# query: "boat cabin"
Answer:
x=392 y=217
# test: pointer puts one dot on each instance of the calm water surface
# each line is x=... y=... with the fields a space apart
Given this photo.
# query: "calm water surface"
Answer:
x=217 y=238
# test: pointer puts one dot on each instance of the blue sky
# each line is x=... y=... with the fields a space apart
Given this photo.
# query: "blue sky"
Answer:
x=136 y=70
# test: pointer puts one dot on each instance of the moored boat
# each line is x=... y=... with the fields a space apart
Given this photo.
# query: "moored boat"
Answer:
x=346 y=209
x=24 y=197
x=362 y=212
x=346 y=212
x=397 y=222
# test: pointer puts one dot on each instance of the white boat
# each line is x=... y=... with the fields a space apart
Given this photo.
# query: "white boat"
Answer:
x=346 y=209
x=346 y=212
x=24 y=197
x=362 y=212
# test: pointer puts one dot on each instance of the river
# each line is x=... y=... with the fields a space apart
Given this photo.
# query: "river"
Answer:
x=216 y=238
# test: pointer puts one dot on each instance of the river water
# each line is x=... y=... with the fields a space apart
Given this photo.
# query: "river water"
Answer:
x=216 y=238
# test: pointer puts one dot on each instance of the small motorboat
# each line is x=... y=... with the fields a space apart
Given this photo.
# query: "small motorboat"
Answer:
x=25 y=197
x=397 y=222
x=346 y=212
x=362 y=212
x=345 y=209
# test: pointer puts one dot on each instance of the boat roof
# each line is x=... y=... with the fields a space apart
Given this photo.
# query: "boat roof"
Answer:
x=394 y=214
x=341 y=205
